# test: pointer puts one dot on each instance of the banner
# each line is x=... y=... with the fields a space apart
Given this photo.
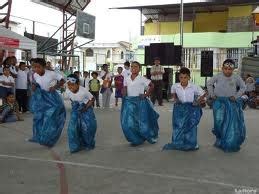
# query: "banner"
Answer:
x=9 y=42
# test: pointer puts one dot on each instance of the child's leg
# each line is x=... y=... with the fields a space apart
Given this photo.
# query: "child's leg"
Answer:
x=11 y=118
x=24 y=101
x=94 y=98
x=116 y=101
x=97 y=99
x=4 y=114
x=19 y=99
x=104 y=96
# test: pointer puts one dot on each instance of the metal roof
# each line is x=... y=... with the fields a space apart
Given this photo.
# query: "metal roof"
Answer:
x=156 y=9
x=70 y=6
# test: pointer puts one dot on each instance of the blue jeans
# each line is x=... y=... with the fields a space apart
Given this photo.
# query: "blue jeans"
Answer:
x=8 y=115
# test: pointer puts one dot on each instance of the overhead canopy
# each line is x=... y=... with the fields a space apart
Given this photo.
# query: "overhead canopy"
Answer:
x=12 y=40
x=155 y=9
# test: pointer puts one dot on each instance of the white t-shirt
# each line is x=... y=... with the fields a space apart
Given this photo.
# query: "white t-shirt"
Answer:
x=186 y=94
x=84 y=82
x=49 y=79
x=137 y=86
x=57 y=66
x=22 y=79
x=59 y=75
x=8 y=79
x=126 y=73
x=82 y=95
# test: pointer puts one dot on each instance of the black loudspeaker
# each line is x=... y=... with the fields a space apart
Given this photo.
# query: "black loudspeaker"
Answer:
x=148 y=60
x=148 y=74
x=165 y=51
x=177 y=80
x=206 y=63
x=178 y=55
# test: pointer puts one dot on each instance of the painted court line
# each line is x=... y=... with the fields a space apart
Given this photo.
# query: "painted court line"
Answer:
x=137 y=172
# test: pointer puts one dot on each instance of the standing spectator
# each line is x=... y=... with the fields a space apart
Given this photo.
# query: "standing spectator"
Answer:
x=126 y=72
x=94 y=87
x=48 y=66
x=78 y=74
x=58 y=66
x=21 y=87
x=157 y=72
x=6 y=82
x=106 y=89
x=12 y=64
x=85 y=80
x=118 y=79
x=30 y=79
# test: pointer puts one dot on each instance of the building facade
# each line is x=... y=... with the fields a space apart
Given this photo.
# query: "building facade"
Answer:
x=94 y=55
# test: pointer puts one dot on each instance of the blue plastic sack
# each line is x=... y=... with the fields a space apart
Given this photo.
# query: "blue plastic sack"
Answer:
x=185 y=120
x=229 y=126
x=139 y=121
x=49 y=116
x=81 y=129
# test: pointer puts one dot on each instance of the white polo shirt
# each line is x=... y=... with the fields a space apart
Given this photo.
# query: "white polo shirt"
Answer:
x=137 y=86
x=8 y=79
x=126 y=73
x=82 y=95
x=49 y=79
x=84 y=82
x=186 y=94
x=22 y=80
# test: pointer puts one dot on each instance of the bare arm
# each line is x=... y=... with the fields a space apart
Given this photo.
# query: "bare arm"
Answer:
x=8 y=83
x=124 y=91
x=242 y=86
x=210 y=86
x=150 y=89
x=87 y=105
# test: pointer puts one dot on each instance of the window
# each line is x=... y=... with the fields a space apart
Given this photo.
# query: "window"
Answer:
x=122 y=55
x=89 y=52
x=233 y=54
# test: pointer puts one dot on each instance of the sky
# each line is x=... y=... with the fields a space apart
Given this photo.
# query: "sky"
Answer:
x=112 y=25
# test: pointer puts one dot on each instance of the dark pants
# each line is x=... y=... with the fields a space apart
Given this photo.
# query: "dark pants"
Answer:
x=96 y=96
x=157 y=93
x=4 y=91
x=22 y=99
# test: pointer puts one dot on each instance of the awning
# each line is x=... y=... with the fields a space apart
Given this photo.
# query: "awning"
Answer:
x=13 y=40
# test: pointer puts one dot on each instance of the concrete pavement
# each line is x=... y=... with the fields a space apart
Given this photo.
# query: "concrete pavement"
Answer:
x=116 y=167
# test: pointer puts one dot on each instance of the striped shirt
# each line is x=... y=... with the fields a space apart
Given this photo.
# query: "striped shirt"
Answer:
x=157 y=68
x=13 y=107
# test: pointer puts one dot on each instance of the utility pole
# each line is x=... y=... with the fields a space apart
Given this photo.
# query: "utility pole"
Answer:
x=181 y=29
